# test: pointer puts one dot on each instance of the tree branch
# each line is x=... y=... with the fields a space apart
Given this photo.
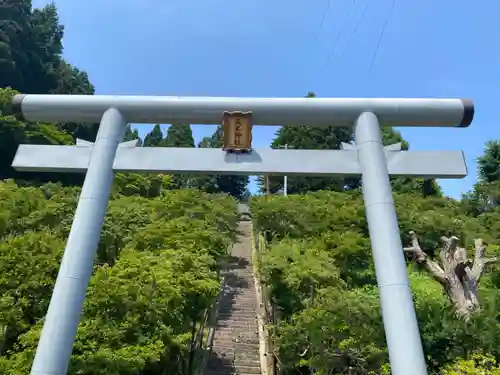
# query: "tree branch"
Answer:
x=421 y=258
x=480 y=262
x=447 y=253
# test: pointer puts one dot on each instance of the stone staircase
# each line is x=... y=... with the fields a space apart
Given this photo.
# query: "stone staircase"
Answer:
x=235 y=348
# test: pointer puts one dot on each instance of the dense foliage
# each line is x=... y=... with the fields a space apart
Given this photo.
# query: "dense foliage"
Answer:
x=156 y=274
x=157 y=262
x=318 y=271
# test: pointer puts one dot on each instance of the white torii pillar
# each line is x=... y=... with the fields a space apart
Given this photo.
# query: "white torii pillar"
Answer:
x=367 y=158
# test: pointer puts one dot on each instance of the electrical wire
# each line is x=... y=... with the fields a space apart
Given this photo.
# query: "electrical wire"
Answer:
x=356 y=27
x=322 y=24
x=342 y=26
x=323 y=18
x=381 y=36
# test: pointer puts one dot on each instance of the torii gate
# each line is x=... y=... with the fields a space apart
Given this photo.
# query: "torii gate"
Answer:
x=367 y=158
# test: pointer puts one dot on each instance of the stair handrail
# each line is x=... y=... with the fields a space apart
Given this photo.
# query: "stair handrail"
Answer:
x=266 y=309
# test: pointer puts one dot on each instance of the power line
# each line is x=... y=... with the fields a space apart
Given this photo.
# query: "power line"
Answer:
x=322 y=24
x=356 y=27
x=381 y=36
x=323 y=18
x=342 y=27
x=339 y=34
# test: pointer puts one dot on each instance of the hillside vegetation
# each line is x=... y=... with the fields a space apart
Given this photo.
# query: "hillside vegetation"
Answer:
x=156 y=274
x=165 y=238
x=319 y=274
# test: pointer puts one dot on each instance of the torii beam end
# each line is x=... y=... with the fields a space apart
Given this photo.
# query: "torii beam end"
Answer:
x=468 y=115
x=17 y=109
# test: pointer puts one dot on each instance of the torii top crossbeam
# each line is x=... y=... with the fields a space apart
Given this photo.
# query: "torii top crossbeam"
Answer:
x=266 y=111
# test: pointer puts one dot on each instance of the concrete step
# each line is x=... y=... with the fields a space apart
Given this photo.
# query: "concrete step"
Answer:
x=235 y=349
x=235 y=339
x=249 y=326
x=247 y=370
x=236 y=313
x=240 y=315
x=239 y=304
x=245 y=331
x=229 y=354
x=232 y=370
x=244 y=362
x=237 y=323
x=246 y=298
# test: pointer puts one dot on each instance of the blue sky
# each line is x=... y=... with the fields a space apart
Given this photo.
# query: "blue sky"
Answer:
x=281 y=48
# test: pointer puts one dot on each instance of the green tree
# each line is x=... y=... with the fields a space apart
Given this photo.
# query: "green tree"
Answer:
x=233 y=185
x=131 y=135
x=485 y=195
x=308 y=137
x=316 y=265
x=156 y=274
x=31 y=49
x=31 y=62
x=489 y=164
x=419 y=186
x=154 y=138
x=180 y=135
x=14 y=132
x=207 y=183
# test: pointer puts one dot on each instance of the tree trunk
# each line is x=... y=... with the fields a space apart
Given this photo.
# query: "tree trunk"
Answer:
x=457 y=274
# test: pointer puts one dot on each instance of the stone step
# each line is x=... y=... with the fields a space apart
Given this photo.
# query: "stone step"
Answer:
x=236 y=363
x=239 y=309
x=228 y=354
x=229 y=341
x=243 y=333
x=244 y=330
x=240 y=345
x=233 y=372
x=238 y=302
x=238 y=305
x=240 y=315
x=237 y=325
x=242 y=298
x=247 y=370
x=233 y=369
x=239 y=312
x=219 y=372
x=245 y=362
x=243 y=279
x=235 y=304
x=231 y=321
x=235 y=349
x=227 y=321
x=234 y=346
x=238 y=328
x=220 y=364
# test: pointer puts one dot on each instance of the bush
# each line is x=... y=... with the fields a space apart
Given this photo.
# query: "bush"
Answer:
x=156 y=274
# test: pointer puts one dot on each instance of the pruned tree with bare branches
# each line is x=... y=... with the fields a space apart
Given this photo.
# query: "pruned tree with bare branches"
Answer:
x=458 y=275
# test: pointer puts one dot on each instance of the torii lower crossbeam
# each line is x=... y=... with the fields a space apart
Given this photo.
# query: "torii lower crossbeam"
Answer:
x=426 y=164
